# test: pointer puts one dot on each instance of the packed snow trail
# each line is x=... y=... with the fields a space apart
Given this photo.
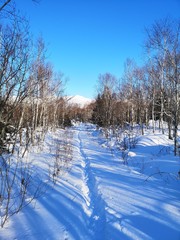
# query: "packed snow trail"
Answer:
x=97 y=219
x=122 y=204
x=101 y=199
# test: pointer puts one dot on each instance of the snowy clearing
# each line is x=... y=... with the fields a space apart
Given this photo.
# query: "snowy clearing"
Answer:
x=100 y=198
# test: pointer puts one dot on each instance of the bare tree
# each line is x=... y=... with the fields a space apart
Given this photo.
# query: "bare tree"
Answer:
x=164 y=46
x=128 y=82
x=105 y=100
x=5 y=3
x=14 y=63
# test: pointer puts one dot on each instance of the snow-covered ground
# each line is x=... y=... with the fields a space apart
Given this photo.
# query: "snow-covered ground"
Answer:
x=100 y=198
x=79 y=101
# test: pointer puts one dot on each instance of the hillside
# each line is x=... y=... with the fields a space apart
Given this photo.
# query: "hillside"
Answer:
x=78 y=100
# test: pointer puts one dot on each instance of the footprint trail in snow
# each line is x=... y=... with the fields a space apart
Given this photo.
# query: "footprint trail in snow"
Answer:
x=96 y=205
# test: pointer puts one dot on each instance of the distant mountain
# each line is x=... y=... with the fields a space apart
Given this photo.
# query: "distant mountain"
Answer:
x=78 y=100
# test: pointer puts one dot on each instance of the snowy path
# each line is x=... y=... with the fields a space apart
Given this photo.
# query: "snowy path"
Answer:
x=122 y=204
x=97 y=219
x=100 y=199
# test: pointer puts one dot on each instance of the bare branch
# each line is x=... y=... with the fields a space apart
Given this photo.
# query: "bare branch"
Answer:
x=4 y=5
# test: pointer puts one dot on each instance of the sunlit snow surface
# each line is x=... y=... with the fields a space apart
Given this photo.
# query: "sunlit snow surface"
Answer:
x=79 y=101
x=100 y=198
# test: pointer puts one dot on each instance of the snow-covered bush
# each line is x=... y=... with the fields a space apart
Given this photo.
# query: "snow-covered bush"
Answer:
x=18 y=186
x=62 y=155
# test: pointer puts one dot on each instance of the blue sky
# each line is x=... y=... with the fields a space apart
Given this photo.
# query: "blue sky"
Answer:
x=89 y=37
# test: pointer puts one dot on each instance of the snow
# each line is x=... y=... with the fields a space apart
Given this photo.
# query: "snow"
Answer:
x=100 y=198
x=78 y=100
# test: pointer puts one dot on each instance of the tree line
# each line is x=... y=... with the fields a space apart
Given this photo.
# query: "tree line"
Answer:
x=30 y=90
x=31 y=102
x=148 y=92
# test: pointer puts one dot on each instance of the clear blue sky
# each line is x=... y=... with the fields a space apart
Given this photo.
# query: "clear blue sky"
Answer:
x=89 y=37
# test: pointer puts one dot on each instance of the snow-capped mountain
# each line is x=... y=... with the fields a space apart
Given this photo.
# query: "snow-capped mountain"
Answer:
x=78 y=100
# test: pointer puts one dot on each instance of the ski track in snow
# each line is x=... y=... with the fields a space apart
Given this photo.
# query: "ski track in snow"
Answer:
x=97 y=221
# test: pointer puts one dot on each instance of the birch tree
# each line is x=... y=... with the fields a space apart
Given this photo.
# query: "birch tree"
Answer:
x=106 y=99
x=163 y=44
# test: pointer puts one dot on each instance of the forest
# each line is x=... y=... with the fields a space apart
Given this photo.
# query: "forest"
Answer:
x=32 y=101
